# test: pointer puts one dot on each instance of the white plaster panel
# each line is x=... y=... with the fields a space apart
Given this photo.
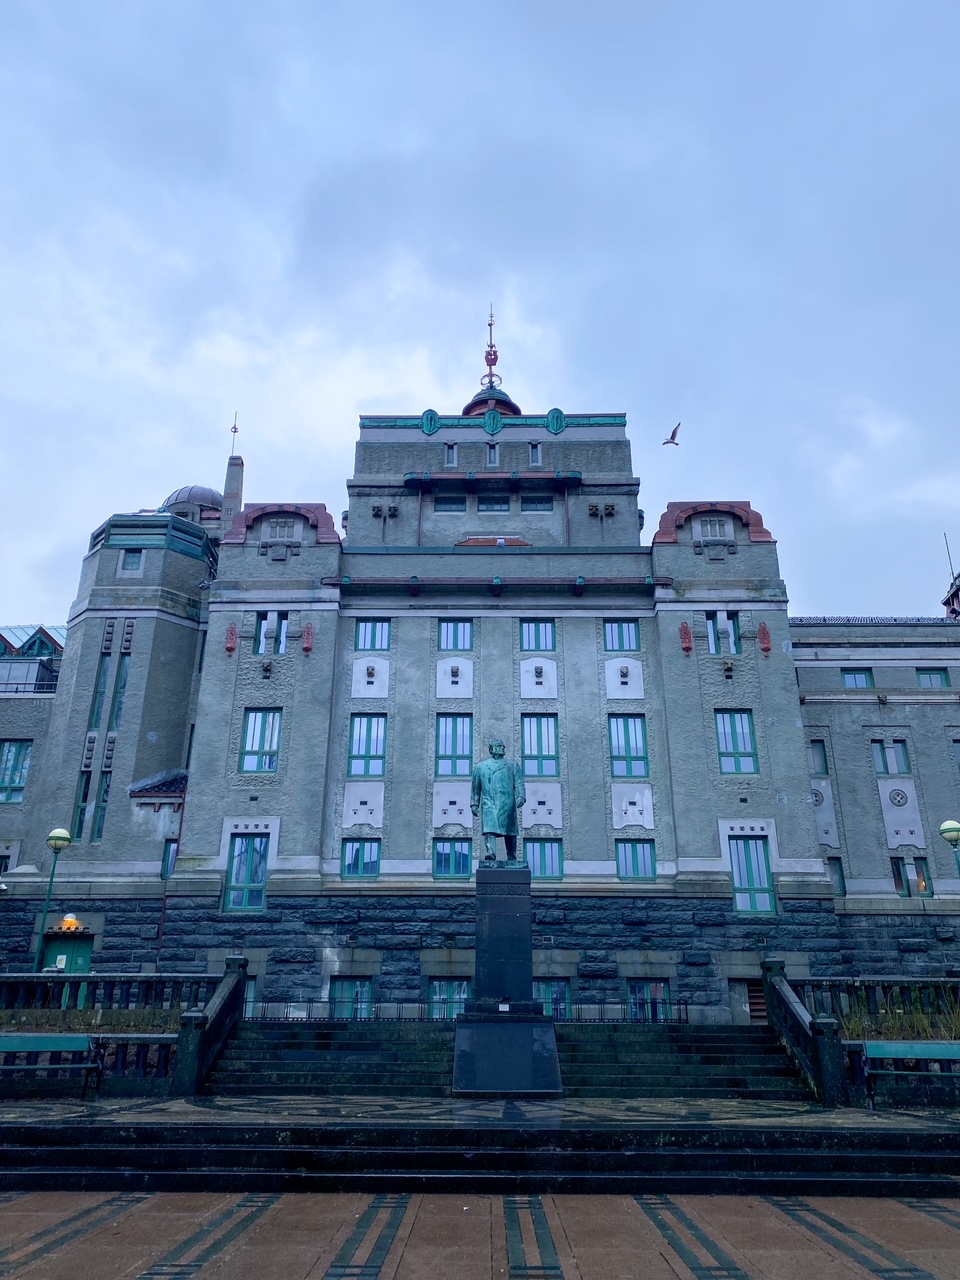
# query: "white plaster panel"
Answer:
x=451 y=803
x=543 y=807
x=632 y=804
x=824 y=812
x=10 y=849
x=757 y=827
x=901 y=812
x=595 y=867
x=624 y=677
x=455 y=677
x=362 y=804
x=538 y=677
x=371 y=677
x=406 y=867
x=247 y=826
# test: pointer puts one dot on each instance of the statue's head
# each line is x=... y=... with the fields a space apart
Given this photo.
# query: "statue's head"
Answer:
x=498 y=748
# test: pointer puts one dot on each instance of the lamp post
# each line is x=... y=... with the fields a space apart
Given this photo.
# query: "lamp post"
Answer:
x=57 y=840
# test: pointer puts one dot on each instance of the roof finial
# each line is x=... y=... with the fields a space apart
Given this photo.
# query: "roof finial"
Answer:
x=490 y=379
x=234 y=429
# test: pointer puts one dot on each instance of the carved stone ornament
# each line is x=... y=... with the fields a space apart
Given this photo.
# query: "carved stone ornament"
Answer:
x=556 y=421
x=763 y=635
x=817 y=798
x=492 y=422
x=429 y=421
x=686 y=637
x=899 y=798
x=230 y=643
x=307 y=639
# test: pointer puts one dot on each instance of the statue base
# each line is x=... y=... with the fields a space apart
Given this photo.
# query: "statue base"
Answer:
x=506 y=1055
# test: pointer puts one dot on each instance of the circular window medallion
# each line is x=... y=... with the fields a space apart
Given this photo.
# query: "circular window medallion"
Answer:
x=817 y=798
x=899 y=798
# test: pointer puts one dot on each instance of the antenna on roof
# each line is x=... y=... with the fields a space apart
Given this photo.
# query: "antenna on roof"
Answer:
x=233 y=443
x=491 y=356
x=949 y=556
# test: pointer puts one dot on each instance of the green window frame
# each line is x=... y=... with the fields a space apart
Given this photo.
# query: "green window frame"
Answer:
x=536 y=502
x=856 y=677
x=450 y=503
x=452 y=859
x=636 y=860
x=921 y=867
x=494 y=502
x=713 y=633
x=544 y=858
x=279 y=635
x=628 y=746
x=372 y=633
x=554 y=995
x=169 y=862
x=368 y=746
x=447 y=997
x=541 y=747
x=956 y=752
x=733 y=633
x=752 y=882
x=538 y=635
x=933 y=678
x=454 y=746
x=260 y=752
x=817 y=757
x=351 y=999
x=736 y=742
x=100 y=811
x=649 y=1000
x=14 y=766
x=100 y=691
x=901 y=884
x=119 y=691
x=621 y=635
x=890 y=759
x=837 y=877
x=360 y=859
x=80 y=805
x=246 y=888
x=454 y=635
x=131 y=559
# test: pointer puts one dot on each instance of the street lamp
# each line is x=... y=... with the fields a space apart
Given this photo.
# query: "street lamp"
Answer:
x=950 y=830
x=57 y=840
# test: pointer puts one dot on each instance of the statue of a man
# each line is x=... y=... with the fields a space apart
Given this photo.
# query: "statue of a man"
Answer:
x=498 y=795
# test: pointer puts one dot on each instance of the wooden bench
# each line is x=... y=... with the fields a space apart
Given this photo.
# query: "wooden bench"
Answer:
x=868 y=1056
x=31 y=1053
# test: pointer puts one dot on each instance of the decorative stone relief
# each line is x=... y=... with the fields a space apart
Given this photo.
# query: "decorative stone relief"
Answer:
x=451 y=803
x=538 y=678
x=544 y=807
x=632 y=804
x=624 y=678
x=824 y=812
x=371 y=677
x=901 y=812
x=455 y=677
x=362 y=804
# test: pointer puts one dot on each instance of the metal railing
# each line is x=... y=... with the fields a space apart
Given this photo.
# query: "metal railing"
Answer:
x=650 y=1011
x=29 y=686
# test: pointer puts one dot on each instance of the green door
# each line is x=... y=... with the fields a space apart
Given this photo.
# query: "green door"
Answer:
x=69 y=955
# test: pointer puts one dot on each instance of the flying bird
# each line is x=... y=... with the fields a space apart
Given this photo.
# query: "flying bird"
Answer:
x=673 y=436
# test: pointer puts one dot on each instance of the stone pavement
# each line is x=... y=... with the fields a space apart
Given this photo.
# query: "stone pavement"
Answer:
x=82 y=1236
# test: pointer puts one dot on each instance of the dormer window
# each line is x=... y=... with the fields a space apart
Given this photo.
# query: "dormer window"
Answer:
x=283 y=529
x=715 y=529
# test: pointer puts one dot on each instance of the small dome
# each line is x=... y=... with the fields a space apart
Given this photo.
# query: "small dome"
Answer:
x=478 y=406
x=198 y=494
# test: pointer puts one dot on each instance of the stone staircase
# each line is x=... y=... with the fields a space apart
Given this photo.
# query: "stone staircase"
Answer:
x=630 y=1060
x=382 y=1059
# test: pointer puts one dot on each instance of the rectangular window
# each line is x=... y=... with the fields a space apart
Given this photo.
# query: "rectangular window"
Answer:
x=538 y=635
x=817 y=757
x=100 y=691
x=838 y=879
x=262 y=637
x=536 y=502
x=713 y=633
x=457 y=634
x=80 y=807
x=924 y=884
x=283 y=528
x=621 y=636
x=891 y=757
x=933 y=678
x=713 y=527
x=536 y=453
x=544 y=858
x=449 y=502
x=449 y=455
x=351 y=999
x=100 y=812
x=493 y=454
x=360 y=858
x=454 y=746
x=649 y=1001
x=280 y=638
x=131 y=560
x=447 y=997
x=368 y=746
x=247 y=873
x=733 y=632
x=636 y=860
x=554 y=995
x=373 y=633
x=494 y=502
x=14 y=767
x=169 y=863
x=261 y=740
x=119 y=689
x=900 y=881
x=738 y=751
x=956 y=752
x=452 y=859
x=628 y=747
x=857 y=678
x=753 y=888
x=541 y=753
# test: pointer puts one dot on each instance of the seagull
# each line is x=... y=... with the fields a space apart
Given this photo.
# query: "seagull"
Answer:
x=673 y=436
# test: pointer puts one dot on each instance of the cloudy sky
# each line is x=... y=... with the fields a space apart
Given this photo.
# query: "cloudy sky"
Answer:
x=739 y=214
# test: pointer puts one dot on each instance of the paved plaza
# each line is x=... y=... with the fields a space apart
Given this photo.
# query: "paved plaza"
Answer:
x=72 y=1236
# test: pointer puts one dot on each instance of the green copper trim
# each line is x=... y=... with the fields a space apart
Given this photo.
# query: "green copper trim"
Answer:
x=429 y=422
x=556 y=421
x=492 y=422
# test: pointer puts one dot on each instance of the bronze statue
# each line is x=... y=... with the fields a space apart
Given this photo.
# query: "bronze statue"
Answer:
x=498 y=795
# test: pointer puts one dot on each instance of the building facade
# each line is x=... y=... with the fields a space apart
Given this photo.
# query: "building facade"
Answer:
x=260 y=734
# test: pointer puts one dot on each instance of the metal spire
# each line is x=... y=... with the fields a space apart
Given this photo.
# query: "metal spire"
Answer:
x=233 y=443
x=490 y=379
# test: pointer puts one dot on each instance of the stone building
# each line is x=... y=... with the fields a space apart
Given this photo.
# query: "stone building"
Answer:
x=260 y=733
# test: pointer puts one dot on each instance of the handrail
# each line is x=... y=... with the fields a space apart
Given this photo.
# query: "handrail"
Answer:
x=203 y=1032
x=813 y=1041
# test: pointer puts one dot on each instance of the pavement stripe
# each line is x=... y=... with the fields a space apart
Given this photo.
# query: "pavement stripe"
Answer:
x=548 y=1267
x=15 y=1256
x=941 y=1213
x=229 y=1224
x=838 y=1235
x=343 y=1267
x=722 y=1267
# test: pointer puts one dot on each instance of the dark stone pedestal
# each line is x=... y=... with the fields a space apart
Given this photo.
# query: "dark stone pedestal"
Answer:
x=504 y=1046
